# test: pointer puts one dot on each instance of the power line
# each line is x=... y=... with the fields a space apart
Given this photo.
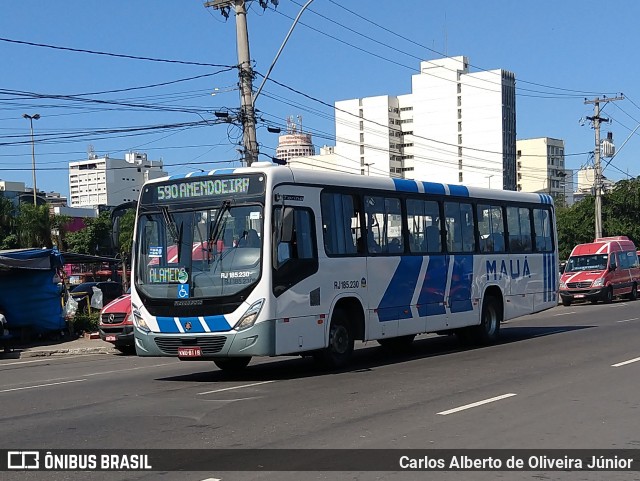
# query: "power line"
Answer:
x=117 y=55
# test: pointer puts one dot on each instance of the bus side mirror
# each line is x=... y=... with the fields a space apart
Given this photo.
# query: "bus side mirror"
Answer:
x=287 y=224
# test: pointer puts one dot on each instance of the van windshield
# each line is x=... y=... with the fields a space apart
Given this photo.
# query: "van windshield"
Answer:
x=593 y=262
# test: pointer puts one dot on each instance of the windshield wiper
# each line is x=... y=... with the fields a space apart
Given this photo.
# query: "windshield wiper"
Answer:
x=170 y=223
x=215 y=231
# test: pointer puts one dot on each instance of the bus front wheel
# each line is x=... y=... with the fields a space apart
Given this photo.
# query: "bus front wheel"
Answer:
x=341 y=341
x=232 y=364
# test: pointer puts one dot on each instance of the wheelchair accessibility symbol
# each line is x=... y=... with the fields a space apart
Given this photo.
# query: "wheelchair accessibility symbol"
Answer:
x=183 y=291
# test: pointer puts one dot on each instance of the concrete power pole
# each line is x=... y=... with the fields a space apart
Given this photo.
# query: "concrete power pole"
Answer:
x=596 y=119
x=247 y=112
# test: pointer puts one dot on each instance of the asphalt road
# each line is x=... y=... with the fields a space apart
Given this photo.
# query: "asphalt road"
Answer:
x=565 y=378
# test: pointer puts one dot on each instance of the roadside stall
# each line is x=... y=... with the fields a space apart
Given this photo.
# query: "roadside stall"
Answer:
x=30 y=291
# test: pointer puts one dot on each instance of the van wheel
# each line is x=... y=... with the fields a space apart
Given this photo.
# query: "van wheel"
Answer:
x=566 y=302
x=633 y=295
x=341 y=342
x=232 y=364
x=608 y=296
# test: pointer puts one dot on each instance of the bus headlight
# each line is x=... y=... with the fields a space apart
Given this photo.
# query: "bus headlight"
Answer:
x=562 y=285
x=139 y=321
x=598 y=282
x=249 y=317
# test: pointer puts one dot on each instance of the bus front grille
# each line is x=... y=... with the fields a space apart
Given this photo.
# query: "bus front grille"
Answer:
x=579 y=285
x=208 y=345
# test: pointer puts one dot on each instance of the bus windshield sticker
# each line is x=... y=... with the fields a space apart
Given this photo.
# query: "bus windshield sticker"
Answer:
x=203 y=188
x=168 y=275
x=155 y=251
x=236 y=277
x=253 y=215
x=183 y=291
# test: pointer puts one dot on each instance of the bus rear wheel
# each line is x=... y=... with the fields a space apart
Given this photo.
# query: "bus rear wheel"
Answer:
x=341 y=341
x=489 y=329
x=232 y=364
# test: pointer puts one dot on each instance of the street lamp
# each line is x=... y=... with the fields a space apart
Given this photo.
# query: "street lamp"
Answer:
x=368 y=164
x=33 y=152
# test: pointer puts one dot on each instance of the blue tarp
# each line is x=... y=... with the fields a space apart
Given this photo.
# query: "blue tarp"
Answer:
x=28 y=293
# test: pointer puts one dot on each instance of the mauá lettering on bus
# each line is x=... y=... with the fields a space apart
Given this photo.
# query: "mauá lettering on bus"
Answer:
x=514 y=269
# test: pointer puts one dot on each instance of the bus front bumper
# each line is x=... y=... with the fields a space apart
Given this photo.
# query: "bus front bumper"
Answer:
x=258 y=340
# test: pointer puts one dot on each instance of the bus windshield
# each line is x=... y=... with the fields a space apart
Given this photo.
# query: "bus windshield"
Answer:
x=199 y=253
x=593 y=262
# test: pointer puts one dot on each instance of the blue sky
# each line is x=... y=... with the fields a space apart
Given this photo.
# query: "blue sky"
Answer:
x=560 y=51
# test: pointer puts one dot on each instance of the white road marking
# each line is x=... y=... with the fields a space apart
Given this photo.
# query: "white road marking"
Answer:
x=476 y=404
x=629 y=320
x=235 y=387
x=41 y=385
x=564 y=314
x=624 y=363
x=212 y=479
x=128 y=369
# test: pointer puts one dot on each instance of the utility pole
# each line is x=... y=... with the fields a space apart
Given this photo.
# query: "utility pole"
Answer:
x=596 y=119
x=247 y=112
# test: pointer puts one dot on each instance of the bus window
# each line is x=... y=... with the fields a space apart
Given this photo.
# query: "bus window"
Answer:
x=340 y=223
x=460 y=227
x=423 y=221
x=384 y=225
x=542 y=226
x=519 y=224
x=491 y=228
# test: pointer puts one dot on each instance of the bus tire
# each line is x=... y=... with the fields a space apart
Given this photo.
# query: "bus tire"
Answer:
x=489 y=329
x=633 y=295
x=608 y=295
x=341 y=341
x=232 y=364
x=397 y=344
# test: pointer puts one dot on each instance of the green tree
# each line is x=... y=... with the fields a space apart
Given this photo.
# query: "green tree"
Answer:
x=621 y=210
x=125 y=242
x=94 y=239
x=34 y=226
x=8 y=221
x=575 y=225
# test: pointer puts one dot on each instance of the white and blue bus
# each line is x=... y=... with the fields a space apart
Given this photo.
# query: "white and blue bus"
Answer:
x=270 y=260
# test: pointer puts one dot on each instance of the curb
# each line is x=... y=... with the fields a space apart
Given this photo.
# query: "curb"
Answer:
x=66 y=352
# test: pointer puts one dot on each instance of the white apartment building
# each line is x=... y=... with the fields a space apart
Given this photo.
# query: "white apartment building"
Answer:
x=107 y=181
x=454 y=127
x=540 y=167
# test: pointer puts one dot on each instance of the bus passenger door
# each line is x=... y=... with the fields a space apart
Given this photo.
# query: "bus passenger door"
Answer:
x=299 y=325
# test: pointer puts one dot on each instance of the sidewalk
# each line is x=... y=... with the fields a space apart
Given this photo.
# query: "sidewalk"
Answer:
x=81 y=345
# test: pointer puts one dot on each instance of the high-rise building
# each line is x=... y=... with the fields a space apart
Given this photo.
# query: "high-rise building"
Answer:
x=540 y=166
x=455 y=127
x=106 y=181
x=294 y=143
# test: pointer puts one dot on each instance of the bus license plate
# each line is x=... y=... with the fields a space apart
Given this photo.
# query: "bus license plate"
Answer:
x=189 y=352
x=110 y=338
x=579 y=296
